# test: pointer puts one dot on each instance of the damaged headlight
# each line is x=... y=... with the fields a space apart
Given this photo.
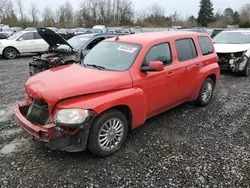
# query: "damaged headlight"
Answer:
x=71 y=116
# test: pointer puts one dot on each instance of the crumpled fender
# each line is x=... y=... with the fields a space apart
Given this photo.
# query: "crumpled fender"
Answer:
x=133 y=98
x=203 y=74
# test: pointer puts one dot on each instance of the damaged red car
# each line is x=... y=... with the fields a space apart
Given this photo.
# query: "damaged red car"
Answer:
x=121 y=83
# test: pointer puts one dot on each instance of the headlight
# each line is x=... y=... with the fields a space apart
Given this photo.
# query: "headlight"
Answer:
x=71 y=116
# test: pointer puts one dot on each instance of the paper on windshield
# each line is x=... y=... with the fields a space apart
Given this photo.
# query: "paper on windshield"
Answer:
x=127 y=49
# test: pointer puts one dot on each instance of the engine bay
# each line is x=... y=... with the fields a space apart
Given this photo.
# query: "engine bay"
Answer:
x=232 y=61
x=54 y=57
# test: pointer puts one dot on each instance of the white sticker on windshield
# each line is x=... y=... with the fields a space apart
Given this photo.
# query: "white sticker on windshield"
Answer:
x=127 y=49
x=83 y=38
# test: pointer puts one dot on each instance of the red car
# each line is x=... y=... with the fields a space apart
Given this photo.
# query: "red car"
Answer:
x=121 y=83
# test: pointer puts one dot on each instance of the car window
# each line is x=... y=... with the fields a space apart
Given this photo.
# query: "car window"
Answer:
x=94 y=43
x=160 y=52
x=37 y=36
x=185 y=49
x=27 y=36
x=206 y=45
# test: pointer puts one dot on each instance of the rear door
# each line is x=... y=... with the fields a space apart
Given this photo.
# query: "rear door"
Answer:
x=189 y=65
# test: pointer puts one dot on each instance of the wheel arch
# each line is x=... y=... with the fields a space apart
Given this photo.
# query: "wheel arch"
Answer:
x=126 y=112
x=11 y=47
x=213 y=76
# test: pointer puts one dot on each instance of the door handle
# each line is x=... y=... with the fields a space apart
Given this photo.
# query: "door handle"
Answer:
x=170 y=73
x=198 y=65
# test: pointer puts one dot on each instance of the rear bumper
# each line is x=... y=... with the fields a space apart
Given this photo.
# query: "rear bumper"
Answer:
x=45 y=133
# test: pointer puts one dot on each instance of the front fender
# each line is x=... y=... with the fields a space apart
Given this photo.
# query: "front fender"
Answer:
x=212 y=69
x=133 y=98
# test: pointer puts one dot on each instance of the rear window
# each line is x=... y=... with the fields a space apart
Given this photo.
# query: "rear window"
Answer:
x=185 y=49
x=206 y=45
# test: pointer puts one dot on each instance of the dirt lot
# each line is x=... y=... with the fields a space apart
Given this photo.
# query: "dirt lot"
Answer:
x=185 y=147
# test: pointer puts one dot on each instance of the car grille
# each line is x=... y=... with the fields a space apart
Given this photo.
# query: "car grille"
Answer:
x=38 y=112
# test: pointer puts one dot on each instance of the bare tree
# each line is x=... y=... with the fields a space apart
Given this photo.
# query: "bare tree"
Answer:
x=6 y=8
x=245 y=13
x=21 y=10
x=64 y=15
x=68 y=14
x=175 y=18
x=34 y=12
x=48 y=17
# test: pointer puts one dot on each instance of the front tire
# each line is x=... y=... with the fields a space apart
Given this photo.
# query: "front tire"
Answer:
x=206 y=92
x=108 y=133
x=10 y=53
x=246 y=71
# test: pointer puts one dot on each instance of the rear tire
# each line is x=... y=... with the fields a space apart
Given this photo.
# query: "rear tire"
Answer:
x=206 y=92
x=108 y=133
x=10 y=53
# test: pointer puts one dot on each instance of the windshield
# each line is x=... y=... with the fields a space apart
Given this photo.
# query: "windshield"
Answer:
x=116 y=56
x=15 y=36
x=29 y=29
x=232 y=38
x=62 y=30
x=9 y=30
x=82 y=30
x=97 y=30
x=77 y=42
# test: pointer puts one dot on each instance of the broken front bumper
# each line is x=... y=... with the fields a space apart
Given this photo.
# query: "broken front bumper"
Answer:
x=54 y=136
x=233 y=65
x=41 y=133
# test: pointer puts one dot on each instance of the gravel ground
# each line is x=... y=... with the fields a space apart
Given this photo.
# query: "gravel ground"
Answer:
x=184 y=147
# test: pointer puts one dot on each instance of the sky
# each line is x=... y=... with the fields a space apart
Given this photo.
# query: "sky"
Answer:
x=185 y=7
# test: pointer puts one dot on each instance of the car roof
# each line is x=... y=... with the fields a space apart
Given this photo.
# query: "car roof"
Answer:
x=145 y=38
x=237 y=30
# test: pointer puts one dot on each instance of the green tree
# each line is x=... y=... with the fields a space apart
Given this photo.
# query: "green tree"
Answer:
x=205 y=15
x=228 y=14
x=236 y=18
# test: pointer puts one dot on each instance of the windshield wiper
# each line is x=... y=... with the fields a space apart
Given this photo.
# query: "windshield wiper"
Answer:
x=96 y=66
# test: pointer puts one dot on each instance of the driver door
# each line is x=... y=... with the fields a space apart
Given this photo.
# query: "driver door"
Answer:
x=26 y=43
x=160 y=88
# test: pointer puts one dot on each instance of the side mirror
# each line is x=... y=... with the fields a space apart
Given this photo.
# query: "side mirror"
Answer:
x=20 y=39
x=156 y=66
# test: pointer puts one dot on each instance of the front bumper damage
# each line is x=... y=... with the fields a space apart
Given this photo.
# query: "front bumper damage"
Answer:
x=54 y=136
x=234 y=62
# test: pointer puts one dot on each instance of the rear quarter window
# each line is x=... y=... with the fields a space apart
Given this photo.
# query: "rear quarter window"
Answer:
x=186 y=49
x=205 y=45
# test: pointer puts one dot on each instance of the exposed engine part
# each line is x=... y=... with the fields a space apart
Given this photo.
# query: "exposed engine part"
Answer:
x=232 y=61
x=53 y=58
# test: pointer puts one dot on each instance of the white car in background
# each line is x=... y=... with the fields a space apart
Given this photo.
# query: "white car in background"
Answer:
x=23 y=42
x=233 y=50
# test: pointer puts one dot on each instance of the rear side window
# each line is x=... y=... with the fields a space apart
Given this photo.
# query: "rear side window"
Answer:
x=37 y=36
x=160 y=52
x=206 y=45
x=186 y=49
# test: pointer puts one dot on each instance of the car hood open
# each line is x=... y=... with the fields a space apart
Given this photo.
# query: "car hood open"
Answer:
x=73 y=80
x=231 y=48
x=52 y=38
